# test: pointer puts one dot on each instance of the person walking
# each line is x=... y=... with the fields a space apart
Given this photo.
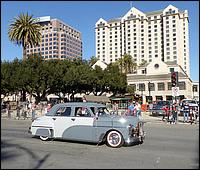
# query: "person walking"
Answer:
x=185 y=112
x=115 y=108
x=33 y=111
x=174 y=113
x=131 y=109
x=18 y=111
x=166 y=110
x=48 y=107
x=138 y=109
x=8 y=107
x=195 y=112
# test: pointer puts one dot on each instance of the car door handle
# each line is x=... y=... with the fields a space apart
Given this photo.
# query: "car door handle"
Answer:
x=54 y=118
x=72 y=119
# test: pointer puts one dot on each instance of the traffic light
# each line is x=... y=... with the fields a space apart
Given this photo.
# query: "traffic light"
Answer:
x=174 y=79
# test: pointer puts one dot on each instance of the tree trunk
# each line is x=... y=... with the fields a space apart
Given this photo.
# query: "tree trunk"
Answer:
x=23 y=95
x=24 y=53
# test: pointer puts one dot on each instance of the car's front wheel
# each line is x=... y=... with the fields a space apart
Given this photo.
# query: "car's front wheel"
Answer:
x=44 y=138
x=114 y=139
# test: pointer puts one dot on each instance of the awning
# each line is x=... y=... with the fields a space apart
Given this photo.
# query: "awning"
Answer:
x=101 y=99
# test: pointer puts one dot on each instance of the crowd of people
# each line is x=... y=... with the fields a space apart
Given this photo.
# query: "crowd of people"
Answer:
x=28 y=109
x=190 y=113
x=171 y=111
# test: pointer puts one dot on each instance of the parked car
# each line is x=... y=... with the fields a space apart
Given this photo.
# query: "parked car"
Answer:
x=158 y=108
x=191 y=102
x=88 y=122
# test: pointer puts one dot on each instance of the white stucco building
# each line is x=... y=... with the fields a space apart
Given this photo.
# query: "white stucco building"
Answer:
x=161 y=35
x=154 y=79
x=101 y=64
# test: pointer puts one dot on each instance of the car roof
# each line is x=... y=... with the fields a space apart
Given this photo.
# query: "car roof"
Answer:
x=82 y=104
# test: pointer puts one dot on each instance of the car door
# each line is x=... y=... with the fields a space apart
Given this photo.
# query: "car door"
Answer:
x=82 y=128
x=62 y=121
x=70 y=126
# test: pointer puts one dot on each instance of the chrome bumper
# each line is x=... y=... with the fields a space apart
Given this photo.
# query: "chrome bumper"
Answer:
x=138 y=134
x=133 y=139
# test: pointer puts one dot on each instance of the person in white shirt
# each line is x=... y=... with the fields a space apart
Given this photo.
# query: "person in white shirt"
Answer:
x=138 y=109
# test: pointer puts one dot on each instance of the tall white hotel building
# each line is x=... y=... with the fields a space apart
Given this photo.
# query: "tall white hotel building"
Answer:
x=161 y=35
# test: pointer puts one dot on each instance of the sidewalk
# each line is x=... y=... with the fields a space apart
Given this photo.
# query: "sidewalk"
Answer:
x=147 y=117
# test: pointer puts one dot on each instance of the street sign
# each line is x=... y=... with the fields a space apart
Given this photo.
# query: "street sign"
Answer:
x=175 y=91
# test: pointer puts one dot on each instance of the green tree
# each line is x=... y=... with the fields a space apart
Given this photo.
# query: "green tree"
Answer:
x=127 y=64
x=143 y=63
x=116 y=82
x=93 y=60
x=131 y=89
x=6 y=78
x=24 y=31
x=99 y=82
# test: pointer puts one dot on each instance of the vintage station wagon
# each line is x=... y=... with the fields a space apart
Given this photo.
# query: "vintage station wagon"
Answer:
x=89 y=122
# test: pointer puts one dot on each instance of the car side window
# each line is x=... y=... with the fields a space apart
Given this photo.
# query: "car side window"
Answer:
x=82 y=111
x=63 y=111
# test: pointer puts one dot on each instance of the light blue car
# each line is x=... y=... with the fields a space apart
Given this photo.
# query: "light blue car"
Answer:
x=88 y=122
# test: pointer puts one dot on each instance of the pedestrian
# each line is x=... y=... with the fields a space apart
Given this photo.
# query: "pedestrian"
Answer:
x=115 y=108
x=48 y=107
x=44 y=109
x=8 y=107
x=191 y=114
x=195 y=111
x=18 y=111
x=170 y=115
x=166 y=110
x=174 y=113
x=131 y=109
x=33 y=110
x=138 y=109
x=185 y=112
x=150 y=106
x=24 y=111
x=29 y=109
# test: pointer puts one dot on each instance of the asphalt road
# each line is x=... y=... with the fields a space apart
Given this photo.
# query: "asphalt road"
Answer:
x=170 y=146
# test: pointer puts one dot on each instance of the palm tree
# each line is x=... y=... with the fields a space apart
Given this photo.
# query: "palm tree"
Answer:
x=127 y=64
x=143 y=63
x=24 y=31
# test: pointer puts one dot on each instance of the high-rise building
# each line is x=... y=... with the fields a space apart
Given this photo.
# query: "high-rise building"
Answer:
x=159 y=34
x=59 y=40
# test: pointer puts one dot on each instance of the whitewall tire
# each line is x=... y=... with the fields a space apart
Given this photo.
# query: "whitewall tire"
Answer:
x=44 y=138
x=114 y=139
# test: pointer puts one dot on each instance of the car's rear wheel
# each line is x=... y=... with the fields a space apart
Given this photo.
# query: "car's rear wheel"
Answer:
x=44 y=138
x=114 y=139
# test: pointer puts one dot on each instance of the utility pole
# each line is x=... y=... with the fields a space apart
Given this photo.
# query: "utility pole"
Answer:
x=149 y=88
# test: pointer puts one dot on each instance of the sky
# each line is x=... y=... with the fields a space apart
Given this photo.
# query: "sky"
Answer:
x=82 y=15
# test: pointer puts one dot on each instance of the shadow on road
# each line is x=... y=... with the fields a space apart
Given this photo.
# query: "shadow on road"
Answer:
x=6 y=155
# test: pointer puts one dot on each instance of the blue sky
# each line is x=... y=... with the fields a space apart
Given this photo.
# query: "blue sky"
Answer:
x=82 y=15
